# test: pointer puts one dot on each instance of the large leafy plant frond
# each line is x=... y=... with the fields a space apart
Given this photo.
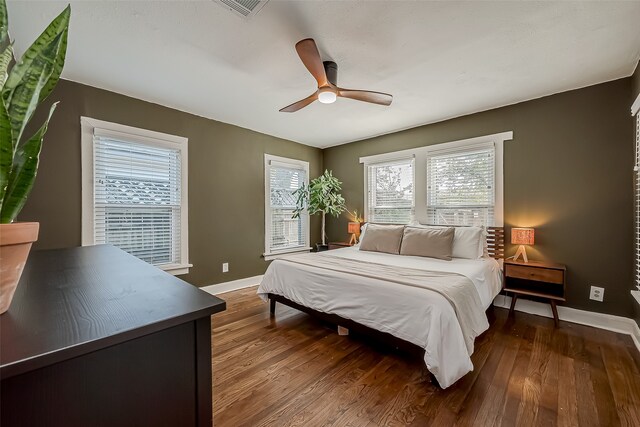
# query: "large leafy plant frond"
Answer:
x=24 y=86
x=36 y=74
x=321 y=195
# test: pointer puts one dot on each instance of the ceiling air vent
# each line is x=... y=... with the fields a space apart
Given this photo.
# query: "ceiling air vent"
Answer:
x=244 y=8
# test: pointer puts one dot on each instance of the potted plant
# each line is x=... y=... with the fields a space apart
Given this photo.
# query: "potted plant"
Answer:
x=24 y=84
x=322 y=195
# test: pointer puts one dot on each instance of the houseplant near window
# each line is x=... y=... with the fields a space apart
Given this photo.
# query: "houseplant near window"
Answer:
x=322 y=195
x=25 y=83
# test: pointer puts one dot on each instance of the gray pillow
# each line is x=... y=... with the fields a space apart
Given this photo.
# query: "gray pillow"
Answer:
x=382 y=238
x=428 y=242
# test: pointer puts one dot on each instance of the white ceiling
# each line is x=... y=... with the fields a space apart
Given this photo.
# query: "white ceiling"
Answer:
x=438 y=59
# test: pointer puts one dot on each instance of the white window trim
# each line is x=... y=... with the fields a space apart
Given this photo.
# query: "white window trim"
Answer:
x=268 y=254
x=88 y=125
x=420 y=170
x=391 y=159
x=634 y=112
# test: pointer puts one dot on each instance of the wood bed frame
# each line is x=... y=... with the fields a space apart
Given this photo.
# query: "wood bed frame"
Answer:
x=495 y=244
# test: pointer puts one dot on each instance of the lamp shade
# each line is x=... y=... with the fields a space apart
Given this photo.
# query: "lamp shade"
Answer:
x=522 y=236
x=354 y=228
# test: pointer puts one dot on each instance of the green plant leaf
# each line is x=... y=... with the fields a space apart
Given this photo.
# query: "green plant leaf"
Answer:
x=321 y=195
x=6 y=150
x=23 y=173
x=5 y=60
x=35 y=75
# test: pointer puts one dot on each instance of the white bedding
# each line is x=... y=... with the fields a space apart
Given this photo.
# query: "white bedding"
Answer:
x=420 y=316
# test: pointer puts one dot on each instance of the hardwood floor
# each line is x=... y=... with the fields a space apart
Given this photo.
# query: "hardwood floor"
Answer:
x=296 y=371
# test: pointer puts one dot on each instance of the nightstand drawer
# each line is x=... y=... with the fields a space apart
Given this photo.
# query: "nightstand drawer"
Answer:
x=532 y=273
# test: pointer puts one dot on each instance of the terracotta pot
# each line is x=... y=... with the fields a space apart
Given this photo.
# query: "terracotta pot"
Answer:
x=15 y=244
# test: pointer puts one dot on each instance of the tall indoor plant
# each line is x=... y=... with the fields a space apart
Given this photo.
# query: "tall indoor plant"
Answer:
x=322 y=195
x=24 y=84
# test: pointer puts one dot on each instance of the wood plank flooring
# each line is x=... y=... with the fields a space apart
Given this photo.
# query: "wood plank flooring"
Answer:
x=296 y=371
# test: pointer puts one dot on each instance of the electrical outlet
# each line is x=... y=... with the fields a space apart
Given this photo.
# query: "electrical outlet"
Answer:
x=597 y=294
x=225 y=267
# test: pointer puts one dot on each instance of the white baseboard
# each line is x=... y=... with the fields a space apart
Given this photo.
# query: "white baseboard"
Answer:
x=609 y=322
x=234 y=285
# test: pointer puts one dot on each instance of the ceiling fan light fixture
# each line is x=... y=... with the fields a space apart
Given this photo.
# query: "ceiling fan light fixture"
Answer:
x=327 y=96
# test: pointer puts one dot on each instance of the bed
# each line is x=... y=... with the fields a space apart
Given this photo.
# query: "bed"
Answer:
x=397 y=295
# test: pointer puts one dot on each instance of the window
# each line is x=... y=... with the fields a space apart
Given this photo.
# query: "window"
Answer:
x=636 y=172
x=135 y=192
x=461 y=186
x=284 y=234
x=390 y=192
x=455 y=183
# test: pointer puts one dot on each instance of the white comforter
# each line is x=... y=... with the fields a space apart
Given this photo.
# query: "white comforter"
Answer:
x=420 y=316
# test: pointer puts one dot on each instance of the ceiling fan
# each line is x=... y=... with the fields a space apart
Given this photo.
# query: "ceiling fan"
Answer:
x=326 y=74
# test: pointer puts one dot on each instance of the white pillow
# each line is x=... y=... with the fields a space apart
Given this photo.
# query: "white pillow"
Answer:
x=468 y=242
x=363 y=228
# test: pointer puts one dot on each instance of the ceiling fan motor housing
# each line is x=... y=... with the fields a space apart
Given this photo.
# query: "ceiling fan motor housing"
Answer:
x=331 y=70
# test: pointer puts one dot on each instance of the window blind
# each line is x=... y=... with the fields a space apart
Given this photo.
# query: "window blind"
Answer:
x=636 y=172
x=137 y=198
x=286 y=232
x=390 y=192
x=461 y=186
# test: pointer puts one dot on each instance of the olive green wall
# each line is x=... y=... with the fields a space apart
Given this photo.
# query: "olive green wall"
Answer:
x=567 y=172
x=226 y=179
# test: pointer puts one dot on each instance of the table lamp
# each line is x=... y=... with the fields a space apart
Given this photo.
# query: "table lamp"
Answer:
x=354 y=230
x=522 y=236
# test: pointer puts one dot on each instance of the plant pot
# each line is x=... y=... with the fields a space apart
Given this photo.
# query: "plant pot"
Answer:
x=320 y=247
x=15 y=243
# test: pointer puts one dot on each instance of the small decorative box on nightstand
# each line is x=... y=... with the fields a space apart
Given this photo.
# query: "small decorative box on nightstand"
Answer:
x=537 y=279
x=338 y=245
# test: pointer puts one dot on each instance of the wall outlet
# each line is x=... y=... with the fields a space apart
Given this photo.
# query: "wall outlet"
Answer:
x=225 y=267
x=597 y=294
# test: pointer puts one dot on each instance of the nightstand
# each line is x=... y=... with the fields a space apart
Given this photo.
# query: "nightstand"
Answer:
x=537 y=279
x=338 y=245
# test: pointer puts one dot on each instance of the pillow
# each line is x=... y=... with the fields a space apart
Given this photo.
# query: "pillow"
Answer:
x=468 y=242
x=382 y=238
x=429 y=242
x=362 y=231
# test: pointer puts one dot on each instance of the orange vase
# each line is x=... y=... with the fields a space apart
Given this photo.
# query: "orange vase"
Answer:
x=15 y=243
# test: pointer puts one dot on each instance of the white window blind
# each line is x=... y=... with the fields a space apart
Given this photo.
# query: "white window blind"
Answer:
x=390 y=191
x=283 y=232
x=137 y=198
x=636 y=172
x=461 y=186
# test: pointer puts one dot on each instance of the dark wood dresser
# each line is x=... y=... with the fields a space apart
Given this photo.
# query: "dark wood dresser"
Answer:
x=96 y=337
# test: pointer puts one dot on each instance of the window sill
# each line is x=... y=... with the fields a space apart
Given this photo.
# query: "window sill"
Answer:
x=636 y=295
x=176 y=269
x=276 y=255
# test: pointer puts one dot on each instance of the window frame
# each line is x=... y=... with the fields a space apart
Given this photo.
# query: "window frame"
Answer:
x=411 y=159
x=635 y=109
x=274 y=254
x=143 y=136
x=420 y=156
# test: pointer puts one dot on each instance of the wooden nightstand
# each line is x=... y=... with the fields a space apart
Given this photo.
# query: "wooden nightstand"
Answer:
x=537 y=279
x=338 y=245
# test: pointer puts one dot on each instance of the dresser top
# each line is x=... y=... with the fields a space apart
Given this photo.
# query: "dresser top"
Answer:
x=74 y=301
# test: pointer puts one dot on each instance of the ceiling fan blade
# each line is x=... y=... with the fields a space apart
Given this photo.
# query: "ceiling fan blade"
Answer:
x=366 y=96
x=308 y=53
x=300 y=104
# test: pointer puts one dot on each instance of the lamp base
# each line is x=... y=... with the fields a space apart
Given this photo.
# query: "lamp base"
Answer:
x=521 y=251
x=354 y=240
